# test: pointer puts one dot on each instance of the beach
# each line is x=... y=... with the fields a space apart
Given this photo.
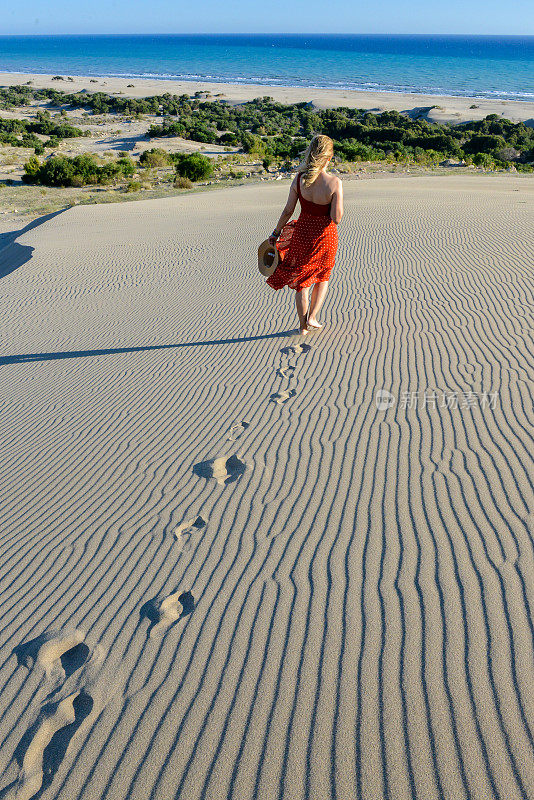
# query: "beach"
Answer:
x=240 y=563
x=450 y=109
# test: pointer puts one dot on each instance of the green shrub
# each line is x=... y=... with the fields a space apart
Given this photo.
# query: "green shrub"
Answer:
x=194 y=166
x=253 y=144
x=126 y=166
x=483 y=160
x=77 y=181
x=229 y=139
x=78 y=171
x=484 y=144
x=57 y=171
x=29 y=140
x=183 y=183
x=354 y=151
x=155 y=157
x=32 y=166
x=133 y=186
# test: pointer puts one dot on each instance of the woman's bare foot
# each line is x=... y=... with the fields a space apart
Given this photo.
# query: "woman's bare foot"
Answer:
x=304 y=331
x=312 y=323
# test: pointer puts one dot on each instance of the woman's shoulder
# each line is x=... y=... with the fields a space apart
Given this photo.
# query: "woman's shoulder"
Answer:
x=333 y=180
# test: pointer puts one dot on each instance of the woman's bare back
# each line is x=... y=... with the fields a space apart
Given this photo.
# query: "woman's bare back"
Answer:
x=321 y=190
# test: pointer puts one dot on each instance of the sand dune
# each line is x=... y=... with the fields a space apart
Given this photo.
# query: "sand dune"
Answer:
x=237 y=564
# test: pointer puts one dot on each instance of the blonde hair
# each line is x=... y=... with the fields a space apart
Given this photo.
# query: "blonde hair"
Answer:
x=320 y=150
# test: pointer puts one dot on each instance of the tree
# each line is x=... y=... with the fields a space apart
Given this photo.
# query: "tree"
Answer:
x=194 y=166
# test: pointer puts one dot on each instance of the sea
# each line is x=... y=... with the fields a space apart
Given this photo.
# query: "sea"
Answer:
x=463 y=66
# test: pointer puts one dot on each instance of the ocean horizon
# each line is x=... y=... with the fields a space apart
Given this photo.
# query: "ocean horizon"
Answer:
x=494 y=67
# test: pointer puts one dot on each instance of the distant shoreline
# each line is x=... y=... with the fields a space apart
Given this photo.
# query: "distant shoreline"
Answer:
x=450 y=109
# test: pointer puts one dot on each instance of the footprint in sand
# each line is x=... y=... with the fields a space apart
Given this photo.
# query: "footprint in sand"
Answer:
x=236 y=430
x=296 y=349
x=225 y=469
x=163 y=613
x=282 y=397
x=60 y=653
x=184 y=531
x=45 y=744
x=77 y=680
x=287 y=371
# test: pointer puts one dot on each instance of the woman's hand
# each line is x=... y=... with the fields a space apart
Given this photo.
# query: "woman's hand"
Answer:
x=273 y=237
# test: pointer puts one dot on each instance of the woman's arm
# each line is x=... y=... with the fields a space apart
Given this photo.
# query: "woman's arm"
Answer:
x=336 y=207
x=288 y=210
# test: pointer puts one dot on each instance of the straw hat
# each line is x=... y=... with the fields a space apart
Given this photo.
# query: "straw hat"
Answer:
x=267 y=258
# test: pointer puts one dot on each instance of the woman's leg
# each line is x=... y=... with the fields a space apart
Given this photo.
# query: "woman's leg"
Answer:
x=318 y=295
x=301 y=300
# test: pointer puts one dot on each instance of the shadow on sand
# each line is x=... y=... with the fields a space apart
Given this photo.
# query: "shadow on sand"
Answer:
x=28 y=357
x=14 y=255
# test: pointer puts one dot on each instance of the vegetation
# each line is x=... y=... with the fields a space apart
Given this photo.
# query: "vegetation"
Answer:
x=22 y=132
x=183 y=183
x=194 y=166
x=271 y=132
x=78 y=171
x=133 y=186
x=156 y=157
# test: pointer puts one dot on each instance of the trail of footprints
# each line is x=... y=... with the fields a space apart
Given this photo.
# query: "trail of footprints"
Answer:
x=224 y=469
x=287 y=371
x=162 y=612
x=70 y=666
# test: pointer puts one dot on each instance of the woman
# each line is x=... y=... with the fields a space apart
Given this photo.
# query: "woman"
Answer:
x=312 y=250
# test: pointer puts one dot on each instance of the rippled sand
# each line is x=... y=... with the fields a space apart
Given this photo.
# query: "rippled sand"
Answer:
x=227 y=571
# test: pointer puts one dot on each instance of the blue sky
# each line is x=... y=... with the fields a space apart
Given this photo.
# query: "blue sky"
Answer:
x=250 y=16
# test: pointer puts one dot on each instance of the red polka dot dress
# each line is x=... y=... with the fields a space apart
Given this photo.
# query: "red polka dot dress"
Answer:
x=307 y=247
